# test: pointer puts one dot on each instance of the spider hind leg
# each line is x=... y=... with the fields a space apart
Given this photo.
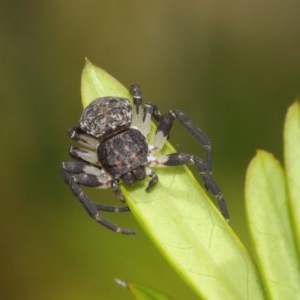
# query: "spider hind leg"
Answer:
x=75 y=174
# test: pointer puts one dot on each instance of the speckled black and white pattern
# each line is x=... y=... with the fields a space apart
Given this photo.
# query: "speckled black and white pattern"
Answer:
x=123 y=153
x=106 y=116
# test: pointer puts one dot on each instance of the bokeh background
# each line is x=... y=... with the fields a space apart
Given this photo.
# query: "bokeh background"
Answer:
x=233 y=66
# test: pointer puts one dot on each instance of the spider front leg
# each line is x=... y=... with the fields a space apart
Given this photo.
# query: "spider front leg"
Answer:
x=76 y=134
x=164 y=127
x=176 y=159
x=79 y=173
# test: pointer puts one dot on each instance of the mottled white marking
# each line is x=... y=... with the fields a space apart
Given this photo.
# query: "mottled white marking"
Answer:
x=159 y=140
x=146 y=125
x=86 y=155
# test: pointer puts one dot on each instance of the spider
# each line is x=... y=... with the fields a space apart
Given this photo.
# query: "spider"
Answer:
x=114 y=133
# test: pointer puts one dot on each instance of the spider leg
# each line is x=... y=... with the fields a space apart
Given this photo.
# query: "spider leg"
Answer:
x=163 y=130
x=145 y=127
x=157 y=115
x=164 y=127
x=76 y=134
x=154 y=179
x=116 y=189
x=176 y=159
x=137 y=113
x=84 y=154
x=198 y=134
x=79 y=173
x=141 y=118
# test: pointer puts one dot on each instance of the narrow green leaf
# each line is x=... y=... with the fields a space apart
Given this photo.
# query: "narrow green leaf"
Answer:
x=270 y=227
x=141 y=291
x=95 y=82
x=292 y=164
x=184 y=224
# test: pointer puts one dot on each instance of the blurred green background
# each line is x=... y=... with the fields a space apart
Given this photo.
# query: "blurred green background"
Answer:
x=233 y=66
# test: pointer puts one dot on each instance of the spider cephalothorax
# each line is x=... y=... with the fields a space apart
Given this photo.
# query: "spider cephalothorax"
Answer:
x=114 y=133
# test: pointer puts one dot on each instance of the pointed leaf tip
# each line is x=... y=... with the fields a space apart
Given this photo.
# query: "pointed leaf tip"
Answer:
x=141 y=291
x=96 y=83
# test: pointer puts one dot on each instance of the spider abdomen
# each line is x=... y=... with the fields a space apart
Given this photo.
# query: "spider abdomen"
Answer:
x=106 y=116
x=124 y=155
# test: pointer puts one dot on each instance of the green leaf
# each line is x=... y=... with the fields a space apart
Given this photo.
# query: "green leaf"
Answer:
x=292 y=164
x=270 y=227
x=142 y=292
x=95 y=82
x=183 y=222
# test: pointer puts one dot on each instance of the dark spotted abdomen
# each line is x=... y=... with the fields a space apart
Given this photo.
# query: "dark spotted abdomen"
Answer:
x=123 y=152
